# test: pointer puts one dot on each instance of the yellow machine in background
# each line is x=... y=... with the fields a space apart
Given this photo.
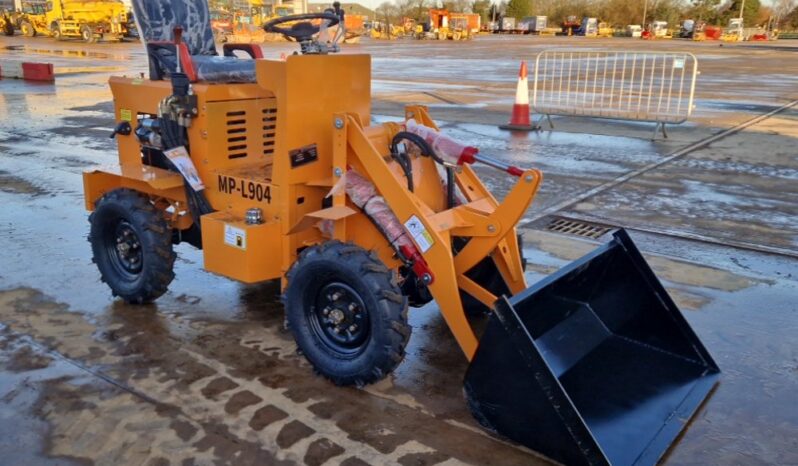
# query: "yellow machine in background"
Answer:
x=659 y=30
x=444 y=25
x=734 y=32
x=6 y=23
x=605 y=30
x=247 y=20
x=87 y=20
x=383 y=31
x=275 y=170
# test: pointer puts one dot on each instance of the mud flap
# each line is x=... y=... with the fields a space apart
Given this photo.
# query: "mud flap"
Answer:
x=593 y=365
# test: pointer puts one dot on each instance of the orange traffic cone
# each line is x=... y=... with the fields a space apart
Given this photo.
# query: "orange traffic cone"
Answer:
x=519 y=121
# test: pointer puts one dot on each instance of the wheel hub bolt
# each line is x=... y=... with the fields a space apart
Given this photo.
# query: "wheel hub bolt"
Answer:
x=325 y=311
x=352 y=328
x=352 y=307
x=337 y=316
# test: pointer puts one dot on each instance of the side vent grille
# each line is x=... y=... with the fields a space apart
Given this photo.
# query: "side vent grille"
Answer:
x=269 y=129
x=236 y=134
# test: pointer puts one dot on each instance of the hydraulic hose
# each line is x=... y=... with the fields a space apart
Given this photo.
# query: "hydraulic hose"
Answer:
x=402 y=158
x=426 y=150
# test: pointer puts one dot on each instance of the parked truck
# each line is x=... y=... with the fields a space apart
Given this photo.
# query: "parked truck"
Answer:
x=88 y=20
x=634 y=30
x=657 y=30
x=737 y=32
x=589 y=27
x=533 y=24
x=507 y=25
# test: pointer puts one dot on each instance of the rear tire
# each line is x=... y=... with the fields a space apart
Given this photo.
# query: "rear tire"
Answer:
x=55 y=31
x=347 y=313
x=86 y=34
x=27 y=29
x=132 y=246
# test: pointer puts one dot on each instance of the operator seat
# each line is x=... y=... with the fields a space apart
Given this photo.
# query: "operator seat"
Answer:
x=196 y=52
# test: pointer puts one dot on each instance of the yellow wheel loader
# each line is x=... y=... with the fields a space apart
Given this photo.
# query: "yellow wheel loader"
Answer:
x=275 y=170
x=605 y=30
x=6 y=23
x=89 y=21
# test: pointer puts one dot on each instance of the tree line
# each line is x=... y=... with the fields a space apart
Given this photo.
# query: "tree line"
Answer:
x=618 y=13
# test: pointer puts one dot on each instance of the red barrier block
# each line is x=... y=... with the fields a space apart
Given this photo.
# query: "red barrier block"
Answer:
x=38 y=72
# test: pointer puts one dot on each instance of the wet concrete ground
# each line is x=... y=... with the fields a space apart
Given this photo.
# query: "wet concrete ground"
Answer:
x=209 y=375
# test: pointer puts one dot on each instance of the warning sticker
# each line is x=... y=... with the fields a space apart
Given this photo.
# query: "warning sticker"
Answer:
x=179 y=157
x=126 y=115
x=419 y=233
x=235 y=237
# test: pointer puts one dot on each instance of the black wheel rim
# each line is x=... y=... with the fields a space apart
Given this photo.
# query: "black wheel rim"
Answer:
x=339 y=318
x=124 y=249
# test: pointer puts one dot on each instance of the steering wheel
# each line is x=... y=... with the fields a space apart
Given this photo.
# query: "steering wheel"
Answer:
x=302 y=31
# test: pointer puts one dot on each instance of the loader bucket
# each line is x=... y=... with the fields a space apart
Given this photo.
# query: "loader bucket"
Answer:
x=593 y=365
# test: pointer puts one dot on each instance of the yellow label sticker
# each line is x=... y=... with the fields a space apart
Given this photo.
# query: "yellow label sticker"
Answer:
x=418 y=231
x=126 y=115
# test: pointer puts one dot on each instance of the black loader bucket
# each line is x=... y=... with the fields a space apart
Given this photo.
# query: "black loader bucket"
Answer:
x=593 y=365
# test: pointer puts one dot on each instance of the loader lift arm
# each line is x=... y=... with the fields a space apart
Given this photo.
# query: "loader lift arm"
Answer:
x=489 y=225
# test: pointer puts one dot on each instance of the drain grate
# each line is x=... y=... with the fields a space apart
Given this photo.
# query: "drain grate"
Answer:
x=577 y=228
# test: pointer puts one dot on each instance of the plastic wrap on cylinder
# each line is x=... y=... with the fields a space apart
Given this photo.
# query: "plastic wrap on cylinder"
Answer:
x=377 y=209
x=363 y=194
x=446 y=148
x=359 y=189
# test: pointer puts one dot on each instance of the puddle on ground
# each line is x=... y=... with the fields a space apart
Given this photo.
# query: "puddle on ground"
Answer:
x=16 y=185
x=188 y=388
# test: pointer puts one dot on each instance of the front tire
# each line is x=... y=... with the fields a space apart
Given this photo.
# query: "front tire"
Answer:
x=27 y=29
x=132 y=246
x=347 y=313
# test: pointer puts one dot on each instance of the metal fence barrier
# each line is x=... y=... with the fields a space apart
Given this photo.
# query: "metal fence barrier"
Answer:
x=656 y=87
